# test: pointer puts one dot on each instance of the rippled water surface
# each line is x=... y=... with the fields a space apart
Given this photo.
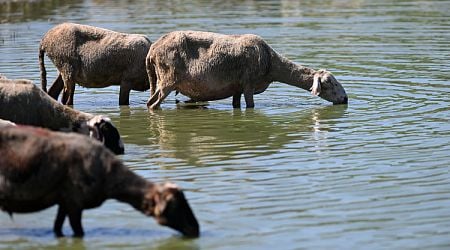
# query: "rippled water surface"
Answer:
x=295 y=172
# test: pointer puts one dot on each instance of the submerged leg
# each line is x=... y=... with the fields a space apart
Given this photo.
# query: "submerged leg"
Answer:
x=124 y=95
x=248 y=95
x=75 y=222
x=59 y=221
x=153 y=98
x=160 y=95
x=237 y=100
x=56 y=87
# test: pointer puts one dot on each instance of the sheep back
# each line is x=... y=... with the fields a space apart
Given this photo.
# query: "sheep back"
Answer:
x=40 y=168
x=96 y=57
x=211 y=66
x=23 y=102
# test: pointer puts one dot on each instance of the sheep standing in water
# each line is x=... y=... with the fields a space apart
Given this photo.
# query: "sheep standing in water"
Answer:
x=208 y=66
x=22 y=102
x=94 y=57
x=40 y=168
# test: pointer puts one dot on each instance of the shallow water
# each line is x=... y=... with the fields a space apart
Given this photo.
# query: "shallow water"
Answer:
x=295 y=172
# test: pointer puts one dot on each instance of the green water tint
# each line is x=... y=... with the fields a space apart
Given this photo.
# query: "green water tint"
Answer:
x=295 y=172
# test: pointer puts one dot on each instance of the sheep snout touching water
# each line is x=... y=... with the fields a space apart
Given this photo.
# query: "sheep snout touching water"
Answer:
x=40 y=168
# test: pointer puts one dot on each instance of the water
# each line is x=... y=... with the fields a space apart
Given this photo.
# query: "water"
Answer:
x=295 y=172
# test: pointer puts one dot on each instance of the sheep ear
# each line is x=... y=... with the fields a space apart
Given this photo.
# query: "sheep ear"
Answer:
x=148 y=207
x=159 y=203
x=94 y=127
x=316 y=86
x=166 y=193
x=94 y=132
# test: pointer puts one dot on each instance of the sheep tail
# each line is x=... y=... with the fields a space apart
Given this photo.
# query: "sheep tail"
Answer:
x=151 y=72
x=42 y=69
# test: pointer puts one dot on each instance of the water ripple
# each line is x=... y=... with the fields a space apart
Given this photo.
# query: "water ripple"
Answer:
x=296 y=169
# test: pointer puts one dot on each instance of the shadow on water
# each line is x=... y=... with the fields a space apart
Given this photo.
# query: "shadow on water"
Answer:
x=115 y=236
x=21 y=11
x=176 y=244
x=194 y=135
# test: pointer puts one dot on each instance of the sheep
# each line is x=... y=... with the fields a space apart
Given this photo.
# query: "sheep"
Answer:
x=22 y=102
x=208 y=66
x=94 y=57
x=40 y=168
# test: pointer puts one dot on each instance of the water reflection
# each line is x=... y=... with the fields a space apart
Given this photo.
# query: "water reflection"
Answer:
x=293 y=170
x=202 y=137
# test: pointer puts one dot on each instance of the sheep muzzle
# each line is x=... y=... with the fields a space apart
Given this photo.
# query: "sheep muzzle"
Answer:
x=173 y=210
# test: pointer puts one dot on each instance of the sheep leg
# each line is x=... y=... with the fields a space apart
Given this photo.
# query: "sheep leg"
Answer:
x=64 y=97
x=59 y=221
x=248 y=95
x=153 y=98
x=237 y=100
x=75 y=222
x=124 y=95
x=69 y=90
x=56 y=87
x=162 y=94
x=153 y=81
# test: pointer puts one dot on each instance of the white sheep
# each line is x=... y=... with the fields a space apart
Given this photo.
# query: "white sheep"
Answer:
x=94 y=57
x=208 y=66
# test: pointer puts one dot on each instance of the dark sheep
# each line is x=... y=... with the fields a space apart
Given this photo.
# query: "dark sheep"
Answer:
x=40 y=168
x=22 y=102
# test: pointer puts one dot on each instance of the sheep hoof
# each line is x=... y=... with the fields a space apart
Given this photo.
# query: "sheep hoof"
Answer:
x=78 y=235
x=59 y=234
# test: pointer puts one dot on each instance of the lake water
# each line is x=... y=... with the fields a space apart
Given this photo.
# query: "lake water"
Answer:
x=295 y=172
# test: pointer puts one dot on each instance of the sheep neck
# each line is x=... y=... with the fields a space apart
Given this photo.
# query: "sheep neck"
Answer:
x=76 y=116
x=130 y=188
x=284 y=70
x=59 y=116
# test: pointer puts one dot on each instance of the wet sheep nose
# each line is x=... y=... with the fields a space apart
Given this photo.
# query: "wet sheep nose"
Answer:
x=345 y=101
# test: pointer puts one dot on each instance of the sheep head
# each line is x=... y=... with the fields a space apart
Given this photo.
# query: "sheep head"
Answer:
x=167 y=203
x=102 y=129
x=328 y=88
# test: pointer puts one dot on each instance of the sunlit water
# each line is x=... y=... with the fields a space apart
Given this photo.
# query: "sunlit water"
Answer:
x=295 y=172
